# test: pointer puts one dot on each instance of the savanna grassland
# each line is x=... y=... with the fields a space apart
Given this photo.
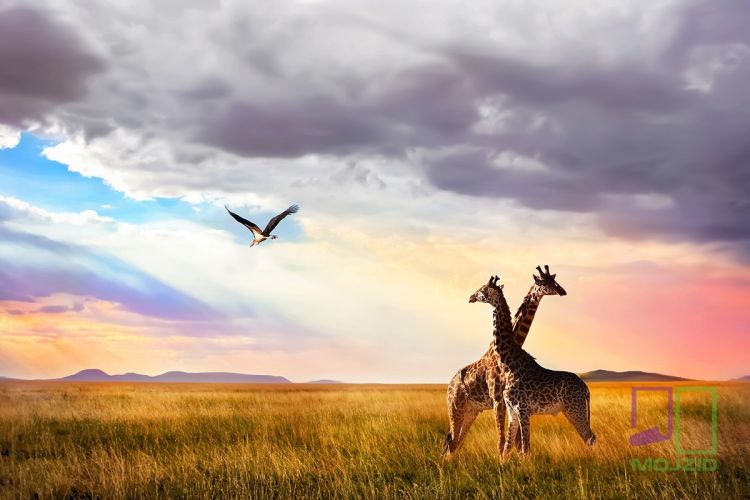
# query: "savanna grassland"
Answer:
x=114 y=440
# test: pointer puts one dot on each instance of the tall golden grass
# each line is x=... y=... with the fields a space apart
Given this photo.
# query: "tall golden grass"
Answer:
x=115 y=440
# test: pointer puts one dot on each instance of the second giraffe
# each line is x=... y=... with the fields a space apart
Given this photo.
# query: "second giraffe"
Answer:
x=469 y=392
x=528 y=388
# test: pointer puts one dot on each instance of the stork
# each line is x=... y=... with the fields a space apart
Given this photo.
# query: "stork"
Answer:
x=258 y=235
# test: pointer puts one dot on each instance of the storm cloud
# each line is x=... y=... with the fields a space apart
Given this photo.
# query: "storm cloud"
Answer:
x=42 y=64
x=637 y=115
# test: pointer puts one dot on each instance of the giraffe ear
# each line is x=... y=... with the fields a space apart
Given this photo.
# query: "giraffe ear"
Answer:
x=538 y=280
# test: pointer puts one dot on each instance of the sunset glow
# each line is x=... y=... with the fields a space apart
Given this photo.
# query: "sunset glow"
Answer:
x=430 y=155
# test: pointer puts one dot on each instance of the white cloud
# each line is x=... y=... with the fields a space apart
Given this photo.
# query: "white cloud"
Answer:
x=9 y=137
x=74 y=218
x=709 y=62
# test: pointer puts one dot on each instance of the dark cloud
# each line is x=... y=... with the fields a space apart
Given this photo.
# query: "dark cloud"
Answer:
x=42 y=64
x=630 y=86
x=290 y=129
x=360 y=174
x=420 y=106
x=59 y=309
x=634 y=144
x=643 y=125
x=208 y=89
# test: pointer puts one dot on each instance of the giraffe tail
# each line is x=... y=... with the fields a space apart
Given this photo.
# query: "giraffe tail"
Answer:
x=591 y=441
x=447 y=443
x=461 y=376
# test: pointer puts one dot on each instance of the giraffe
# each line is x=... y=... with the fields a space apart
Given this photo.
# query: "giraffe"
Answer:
x=528 y=388
x=468 y=392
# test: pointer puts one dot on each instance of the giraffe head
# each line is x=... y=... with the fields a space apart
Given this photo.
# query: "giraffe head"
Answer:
x=546 y=284
x=490 y=293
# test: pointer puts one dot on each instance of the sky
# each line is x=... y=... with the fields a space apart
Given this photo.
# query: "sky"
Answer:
x=429 y=145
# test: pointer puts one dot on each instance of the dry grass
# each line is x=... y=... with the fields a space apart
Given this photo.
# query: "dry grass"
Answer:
x=195 y=440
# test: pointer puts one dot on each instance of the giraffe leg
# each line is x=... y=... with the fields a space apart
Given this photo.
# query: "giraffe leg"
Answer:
x=513 y=429
x=457 y=407
x=496 y=386
x=499 y=409
x=525 y=431
x=517 y=441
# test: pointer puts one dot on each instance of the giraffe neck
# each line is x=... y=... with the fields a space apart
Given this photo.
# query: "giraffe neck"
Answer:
x=525 y=314
x=503 y=328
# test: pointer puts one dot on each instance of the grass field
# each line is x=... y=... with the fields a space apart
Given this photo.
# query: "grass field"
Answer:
x=88 y=440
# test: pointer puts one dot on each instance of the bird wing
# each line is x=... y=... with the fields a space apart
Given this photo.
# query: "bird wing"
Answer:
x=251 y=226
x=275 y=221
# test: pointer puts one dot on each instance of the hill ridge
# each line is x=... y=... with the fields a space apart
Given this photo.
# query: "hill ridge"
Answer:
x=628 y=376
x=97 y=375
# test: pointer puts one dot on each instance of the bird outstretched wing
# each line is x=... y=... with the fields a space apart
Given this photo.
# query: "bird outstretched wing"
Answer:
x=275 y=221
x=251 y=226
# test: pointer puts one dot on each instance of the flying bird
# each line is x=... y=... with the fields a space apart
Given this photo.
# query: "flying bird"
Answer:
x=261 y=236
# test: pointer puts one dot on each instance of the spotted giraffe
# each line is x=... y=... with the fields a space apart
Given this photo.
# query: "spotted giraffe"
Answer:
x=527 y=388
x=468 y=392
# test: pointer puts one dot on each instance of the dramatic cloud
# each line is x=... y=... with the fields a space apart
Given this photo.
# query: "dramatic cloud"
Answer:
x=503 y=101
x=607 y=141
x=42 y=64
x=425 y=147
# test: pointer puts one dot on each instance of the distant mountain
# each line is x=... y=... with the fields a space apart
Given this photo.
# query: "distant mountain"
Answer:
x=629 y=376
x=131 y=377
x=95 y=375
x=224 y=377
x=325 y=381
x=90 y=375
x=746 y=378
